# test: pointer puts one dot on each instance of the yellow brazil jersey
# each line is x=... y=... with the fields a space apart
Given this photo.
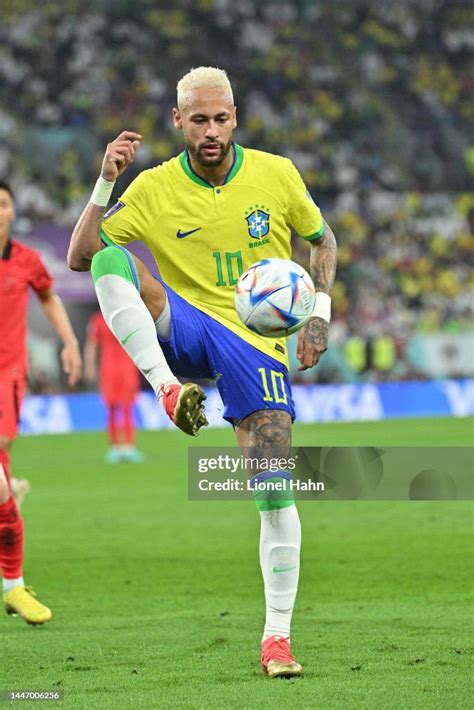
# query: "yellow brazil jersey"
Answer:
x=204 y=237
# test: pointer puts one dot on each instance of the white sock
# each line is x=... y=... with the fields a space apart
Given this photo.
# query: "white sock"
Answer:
x=130 y=321
x=280 y=542
x=9 y=584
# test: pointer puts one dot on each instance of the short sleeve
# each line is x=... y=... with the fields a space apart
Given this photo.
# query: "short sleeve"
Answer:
x=303 y=214
x=130 y=217
x=39 y=278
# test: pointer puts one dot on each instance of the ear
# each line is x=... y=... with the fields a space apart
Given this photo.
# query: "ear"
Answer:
x=177 y=120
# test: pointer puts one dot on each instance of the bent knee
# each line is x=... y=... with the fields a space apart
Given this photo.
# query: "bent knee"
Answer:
x=117 y=261
x=114 y=260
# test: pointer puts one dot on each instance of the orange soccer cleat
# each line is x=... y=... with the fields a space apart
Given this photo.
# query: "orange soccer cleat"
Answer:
x=277 y=661
x=184 y=406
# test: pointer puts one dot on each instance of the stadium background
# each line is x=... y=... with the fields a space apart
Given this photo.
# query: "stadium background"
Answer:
x=371 y=101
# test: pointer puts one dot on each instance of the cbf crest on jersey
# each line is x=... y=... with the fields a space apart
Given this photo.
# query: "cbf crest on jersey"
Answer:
x=258 y=222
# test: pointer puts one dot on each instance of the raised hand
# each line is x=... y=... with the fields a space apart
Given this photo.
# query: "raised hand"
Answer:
x=120 y=152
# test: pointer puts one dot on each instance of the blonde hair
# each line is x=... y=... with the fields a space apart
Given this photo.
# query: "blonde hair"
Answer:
x=200 y=78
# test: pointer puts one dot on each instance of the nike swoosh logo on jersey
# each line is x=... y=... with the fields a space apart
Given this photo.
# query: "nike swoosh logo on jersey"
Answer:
x=127 y=338
x=282 y=569
x=181 y=234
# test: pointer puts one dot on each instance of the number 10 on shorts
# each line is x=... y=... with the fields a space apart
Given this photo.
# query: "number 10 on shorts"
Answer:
x=273 y=386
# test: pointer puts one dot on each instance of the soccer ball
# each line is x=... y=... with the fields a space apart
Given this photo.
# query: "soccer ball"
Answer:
x=275 y=297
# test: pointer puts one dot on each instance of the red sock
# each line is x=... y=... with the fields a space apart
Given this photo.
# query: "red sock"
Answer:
x=128 y=424
x=11 y=532
x=112 y=424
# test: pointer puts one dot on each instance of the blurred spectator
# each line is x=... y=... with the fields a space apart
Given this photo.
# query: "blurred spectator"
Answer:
x=119 y=383
x=357 y=93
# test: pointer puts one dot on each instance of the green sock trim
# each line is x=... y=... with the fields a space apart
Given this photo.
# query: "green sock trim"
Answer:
x=270 y=499
x=114 y=260
x=273 y=504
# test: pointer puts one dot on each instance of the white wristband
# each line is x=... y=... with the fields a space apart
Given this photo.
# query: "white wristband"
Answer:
x=101 y=192
x=322 y=308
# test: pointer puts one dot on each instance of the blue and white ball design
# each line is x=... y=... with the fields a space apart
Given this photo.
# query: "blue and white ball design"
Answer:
x=275 y=297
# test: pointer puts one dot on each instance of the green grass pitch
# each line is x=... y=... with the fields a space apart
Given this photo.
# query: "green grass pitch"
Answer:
x=158 y=601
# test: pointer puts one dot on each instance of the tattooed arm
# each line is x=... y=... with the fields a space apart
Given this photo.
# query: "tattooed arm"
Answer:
x=313 y=338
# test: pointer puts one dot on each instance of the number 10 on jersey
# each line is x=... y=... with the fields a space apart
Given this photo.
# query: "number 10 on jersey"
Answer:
x=231 y=264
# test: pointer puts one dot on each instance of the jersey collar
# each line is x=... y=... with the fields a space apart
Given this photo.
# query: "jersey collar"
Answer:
x=234 y=169
x=7 y=251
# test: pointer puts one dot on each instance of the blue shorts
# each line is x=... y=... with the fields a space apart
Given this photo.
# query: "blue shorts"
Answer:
x=200 y=347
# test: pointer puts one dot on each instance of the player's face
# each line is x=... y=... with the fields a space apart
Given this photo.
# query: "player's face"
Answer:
x=207 y=122
x=7 y=212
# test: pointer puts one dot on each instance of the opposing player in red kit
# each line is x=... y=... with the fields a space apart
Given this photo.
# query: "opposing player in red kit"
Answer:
x=119 y=383
x=21 y=269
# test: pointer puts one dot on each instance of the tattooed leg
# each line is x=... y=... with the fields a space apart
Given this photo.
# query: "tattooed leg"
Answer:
x=267 y=434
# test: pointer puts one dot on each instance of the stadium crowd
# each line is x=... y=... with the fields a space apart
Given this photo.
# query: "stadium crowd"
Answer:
x=370 y=100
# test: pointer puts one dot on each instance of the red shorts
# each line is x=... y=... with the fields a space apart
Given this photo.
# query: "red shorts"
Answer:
x=12 y=392
x=117 y=389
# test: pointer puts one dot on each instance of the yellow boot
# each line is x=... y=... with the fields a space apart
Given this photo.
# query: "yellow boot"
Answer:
x=21 y=600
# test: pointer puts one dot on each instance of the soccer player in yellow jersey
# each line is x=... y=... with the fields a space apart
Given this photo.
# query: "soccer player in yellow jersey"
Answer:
x=207 y=215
